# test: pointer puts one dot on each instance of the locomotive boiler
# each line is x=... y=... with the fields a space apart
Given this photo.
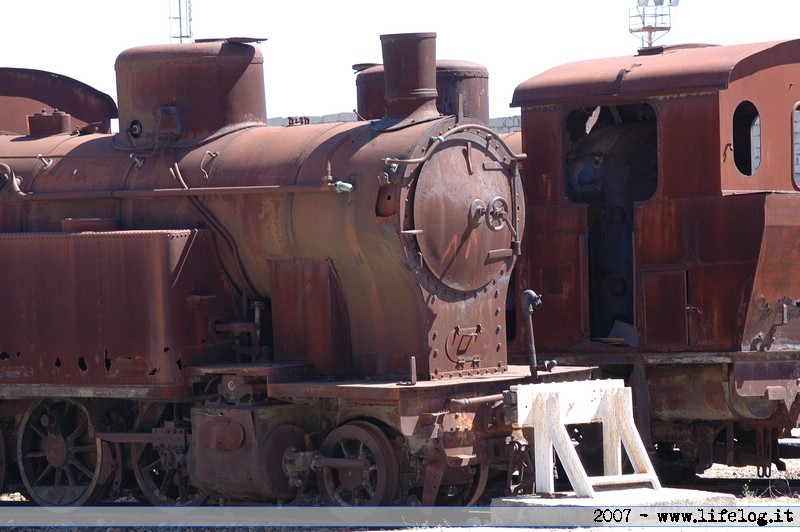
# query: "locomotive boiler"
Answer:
x=666 y=186
x=216 y=307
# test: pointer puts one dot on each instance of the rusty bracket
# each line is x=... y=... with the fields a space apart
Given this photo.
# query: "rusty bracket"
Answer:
x=520 y=476
x=236 y=388
x=210 y=155
x=169 y=438
x=46 y=161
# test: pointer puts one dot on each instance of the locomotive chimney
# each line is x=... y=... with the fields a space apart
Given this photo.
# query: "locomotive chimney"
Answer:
x=409 y=61
x=462 y=87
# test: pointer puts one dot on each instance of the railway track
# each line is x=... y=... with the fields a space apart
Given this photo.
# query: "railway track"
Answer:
x=741 y=482
x=741 y=487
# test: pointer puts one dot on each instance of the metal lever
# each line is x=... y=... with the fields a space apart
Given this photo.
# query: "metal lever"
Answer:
x=529 y=302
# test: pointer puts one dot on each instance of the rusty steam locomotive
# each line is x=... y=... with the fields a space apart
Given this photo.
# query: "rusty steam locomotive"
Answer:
x=203 y=305
x=213 y=306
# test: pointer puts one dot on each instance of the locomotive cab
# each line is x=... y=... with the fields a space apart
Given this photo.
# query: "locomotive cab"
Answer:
x=660 y=186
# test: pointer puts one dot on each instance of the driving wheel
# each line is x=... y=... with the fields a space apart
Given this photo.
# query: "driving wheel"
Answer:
x=60 y=461
x=375 y=482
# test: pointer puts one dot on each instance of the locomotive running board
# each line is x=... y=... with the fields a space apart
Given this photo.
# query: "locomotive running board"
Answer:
x=548 y=408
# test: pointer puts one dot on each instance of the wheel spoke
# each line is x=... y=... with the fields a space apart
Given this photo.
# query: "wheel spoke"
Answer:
x=34 y=454
x=83 y=468
x=39 y=431
x=368 y=487
x=83 y=449
x=71 y=480
x=47 y=470
x=79 y=430
x=167 y=480
x=183 y=487
x=152 y=466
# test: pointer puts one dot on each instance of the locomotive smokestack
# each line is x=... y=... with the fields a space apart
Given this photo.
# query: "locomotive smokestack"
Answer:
x=409 y=61
x=462 y=86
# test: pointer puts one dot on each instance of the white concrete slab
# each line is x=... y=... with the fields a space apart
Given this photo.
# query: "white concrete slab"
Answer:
x=627 y=497
x=637 y=506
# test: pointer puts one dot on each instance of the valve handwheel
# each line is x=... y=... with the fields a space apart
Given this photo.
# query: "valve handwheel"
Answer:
x=496 y=213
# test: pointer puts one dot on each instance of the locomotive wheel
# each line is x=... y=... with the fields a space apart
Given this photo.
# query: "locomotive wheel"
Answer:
x=465 y=494
x=374 y=485
x=60 y=461
x=162 y=475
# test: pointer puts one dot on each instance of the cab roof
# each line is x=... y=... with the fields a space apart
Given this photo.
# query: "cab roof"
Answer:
x=661 y=70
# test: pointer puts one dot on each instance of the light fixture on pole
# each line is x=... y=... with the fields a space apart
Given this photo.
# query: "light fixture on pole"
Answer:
x=651 y=20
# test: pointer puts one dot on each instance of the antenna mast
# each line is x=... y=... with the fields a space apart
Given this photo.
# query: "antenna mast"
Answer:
x=180 y=21
x=651 y=19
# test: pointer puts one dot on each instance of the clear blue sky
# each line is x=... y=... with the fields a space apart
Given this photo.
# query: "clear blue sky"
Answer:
x=312 y=44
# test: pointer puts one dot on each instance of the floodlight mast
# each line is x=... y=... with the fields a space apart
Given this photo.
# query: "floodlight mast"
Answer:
x=180 y=21
x=651 y=20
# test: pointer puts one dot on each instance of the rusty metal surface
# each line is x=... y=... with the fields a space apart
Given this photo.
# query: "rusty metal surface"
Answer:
x=456 y=81
x=270 y=371
x=457 y=255
x=84 y=331
x=457 y=248
x=410 y=75
x=24 y=92
x=669 y=70
x=767 y=381
x=309 y=293
x=514 y=141
x=251 y=467
x=393 y=239
x=772 y=315
x=158 y=96
x=211 y=430
x=710 y=319
x=279 y=226
x=49 y=122
x=336 y=150
x=693 y=392
x=684 y=227
x=465 y=82
x=441 y=391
